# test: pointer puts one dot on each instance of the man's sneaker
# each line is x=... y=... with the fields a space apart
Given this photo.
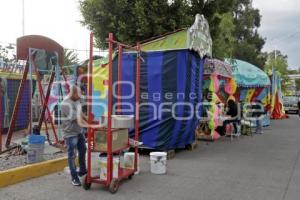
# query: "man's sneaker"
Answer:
x=76 y=182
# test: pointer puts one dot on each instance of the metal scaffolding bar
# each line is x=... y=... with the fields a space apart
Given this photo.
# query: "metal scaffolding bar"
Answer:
x=16 y=107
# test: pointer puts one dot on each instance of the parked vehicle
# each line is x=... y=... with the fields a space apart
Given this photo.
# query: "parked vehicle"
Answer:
x=291 y=104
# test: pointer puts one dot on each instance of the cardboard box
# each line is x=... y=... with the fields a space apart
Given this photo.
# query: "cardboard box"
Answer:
x=118 y=121
x=119 y=139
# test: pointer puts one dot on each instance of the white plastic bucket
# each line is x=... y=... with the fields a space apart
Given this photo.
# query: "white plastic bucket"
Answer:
x=95 y=164
x=158 y=162
x=128 y=162
x=35 y=153
x=103 y=167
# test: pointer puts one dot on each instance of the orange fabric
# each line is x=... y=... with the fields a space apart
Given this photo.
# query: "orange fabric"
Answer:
x=278 y=108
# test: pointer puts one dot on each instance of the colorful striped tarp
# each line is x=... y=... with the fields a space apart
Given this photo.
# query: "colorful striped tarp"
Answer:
x=171 y=82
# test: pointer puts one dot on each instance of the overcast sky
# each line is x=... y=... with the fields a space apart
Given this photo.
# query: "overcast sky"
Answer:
x=59 y=20
x=281 y=26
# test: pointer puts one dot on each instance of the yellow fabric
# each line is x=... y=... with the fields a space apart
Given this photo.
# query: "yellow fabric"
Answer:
x=249 y=95
x=100 y=76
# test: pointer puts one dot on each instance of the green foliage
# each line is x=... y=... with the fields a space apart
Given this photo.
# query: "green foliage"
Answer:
x=278 y=61
x=294 y=71
x=70 y=57
x=6 y=54
x=297 y=81
x=248 y=42
x=233 y=23
x=224 y=42
x=133 y=20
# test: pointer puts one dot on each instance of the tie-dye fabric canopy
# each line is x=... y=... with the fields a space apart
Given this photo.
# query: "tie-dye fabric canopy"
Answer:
x=248 y=75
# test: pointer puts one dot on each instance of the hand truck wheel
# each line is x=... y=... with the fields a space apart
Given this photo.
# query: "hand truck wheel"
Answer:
x=114 y=185
x=86 y=185
x=130 y=176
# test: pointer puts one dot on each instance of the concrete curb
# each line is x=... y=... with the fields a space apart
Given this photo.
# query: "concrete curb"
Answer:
x=19 y=174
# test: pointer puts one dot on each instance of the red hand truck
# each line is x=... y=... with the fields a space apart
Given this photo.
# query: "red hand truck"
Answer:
x=112 y=183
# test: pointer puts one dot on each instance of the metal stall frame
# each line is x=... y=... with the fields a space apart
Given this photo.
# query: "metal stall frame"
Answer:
x=31 y=69
x=112 y=183
x=42 y=99
x=1 y=116
x=25 y=46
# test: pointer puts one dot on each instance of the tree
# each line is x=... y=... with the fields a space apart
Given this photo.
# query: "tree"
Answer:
x=70 y=57
x=278 y=61
x=233 y=23
x=297 y=81
x=294 y=71
x=248 y=44
x=7 y=55
x=133 y=20
x=224 y=41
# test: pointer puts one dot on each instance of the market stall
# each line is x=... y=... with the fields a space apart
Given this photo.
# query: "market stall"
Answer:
x=10 y=83
x=171 y=85
x=253 y=85
x=277 y=108
x=218 y=85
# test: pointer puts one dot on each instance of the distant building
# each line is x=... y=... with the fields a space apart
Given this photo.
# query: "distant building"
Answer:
x=291 y=88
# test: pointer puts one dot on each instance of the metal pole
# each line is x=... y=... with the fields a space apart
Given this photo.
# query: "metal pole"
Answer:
x=65 y=79
x=120 y=78
x=31 y=91
x=109 y=112
x=23 y=17
x=58 y=80
x=89 y=108
x=42 y=96
x=1 y=116
x=90 y=80
x=137 y=101
x=46 y=99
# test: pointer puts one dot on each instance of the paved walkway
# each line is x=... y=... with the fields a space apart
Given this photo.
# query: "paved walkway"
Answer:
x=261 y=167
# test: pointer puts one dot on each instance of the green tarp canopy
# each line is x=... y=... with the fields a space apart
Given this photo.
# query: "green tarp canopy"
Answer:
x=196 y=38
